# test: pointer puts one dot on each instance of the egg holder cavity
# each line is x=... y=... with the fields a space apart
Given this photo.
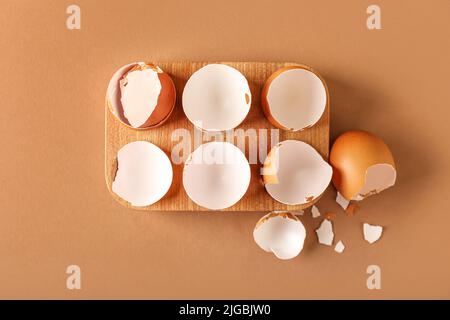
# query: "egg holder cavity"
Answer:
x=256 y=198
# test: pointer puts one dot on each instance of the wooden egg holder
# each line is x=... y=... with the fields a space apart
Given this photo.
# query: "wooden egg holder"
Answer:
x=176 y=199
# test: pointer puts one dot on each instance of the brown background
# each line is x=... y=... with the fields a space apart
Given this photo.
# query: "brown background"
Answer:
x=55 y=209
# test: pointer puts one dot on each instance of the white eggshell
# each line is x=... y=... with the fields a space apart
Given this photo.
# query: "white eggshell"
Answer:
x=301 y=173
x=372 y=233
x=315 y=212
x=325 y=233
x=340 y=247
x=140 y=92
x=216 y=98
x=297 y=98
x=144 y=173
x=342 y=201
x=281 y=233
x=216 y=175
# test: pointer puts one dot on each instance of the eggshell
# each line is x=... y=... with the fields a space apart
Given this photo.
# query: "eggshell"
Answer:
x=294 y=173
x=340 y=247
x=294 y=98
x=144 y=173
x=315 y=213
x=372 y=233
x=281 y=233
x=362 y=165
x=325 y=233
x=216 y=97
x=141 y=95
x=216 y=175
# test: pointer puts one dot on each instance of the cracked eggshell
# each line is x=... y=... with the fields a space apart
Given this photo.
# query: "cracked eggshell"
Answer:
x=325 y=233
x=372 y=233
x=294 y=173
x=144 y=173
x=141 y=95
x=281 y=233
x=294 y=98
x=340 y=247
x=216 y=175
x=362 y=165
x=216 y=97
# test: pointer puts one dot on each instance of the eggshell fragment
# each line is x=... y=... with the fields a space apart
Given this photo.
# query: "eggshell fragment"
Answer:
x=294 y=98
x=342 y=201
x=351 y=209
x=281 y=233
x=216 y=97
x=315 y=212
x=340 y=247
x=330 y=215
x=325 y=233
x=144 y=173
x=294 y=173
x=141 y=95
x=372 y=233
x=362 y=165
x=216 y=175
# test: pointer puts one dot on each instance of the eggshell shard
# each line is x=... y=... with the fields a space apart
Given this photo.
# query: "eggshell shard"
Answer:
x=144 y=173
x=342 y=201
x=216 y=175
x=294 y=98
x=281 y=233
x=340 y=247
x=315 y=213
x=351 y=210
x=294 y=173
x=372 y=233
x=141 y=95
x=362 y=164
x=325 y=233
x=216 y=97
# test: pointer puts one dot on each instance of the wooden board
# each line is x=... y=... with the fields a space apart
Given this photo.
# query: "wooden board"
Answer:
x=256 y=197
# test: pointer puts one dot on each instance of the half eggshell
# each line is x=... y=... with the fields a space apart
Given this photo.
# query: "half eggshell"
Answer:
x=144 y=174
x=294 y=98
x=216 y=175
x=216 y=97
x=281 y=233
x=141 y=95
x=363 y=165
x=294 y=173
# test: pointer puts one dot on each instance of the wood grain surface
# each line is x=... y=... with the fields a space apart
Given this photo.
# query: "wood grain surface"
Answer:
x=256 y=197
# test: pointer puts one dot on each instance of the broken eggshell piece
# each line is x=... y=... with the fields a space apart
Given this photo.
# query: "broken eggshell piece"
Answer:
x=325 y=233
x=281 y=233
x=144 y=173
x=294 y=98
x=372 y=233
x=339 y=247
x=216 y=175
x=362 y=164
x=294 y=173
x=216 y=97
x=141 y=95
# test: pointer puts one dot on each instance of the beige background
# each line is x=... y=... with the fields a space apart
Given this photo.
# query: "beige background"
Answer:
x=55 y=209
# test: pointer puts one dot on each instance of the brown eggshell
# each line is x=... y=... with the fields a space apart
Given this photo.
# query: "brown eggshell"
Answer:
x=165 y=102
x=352 y=154
x=265 y=90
